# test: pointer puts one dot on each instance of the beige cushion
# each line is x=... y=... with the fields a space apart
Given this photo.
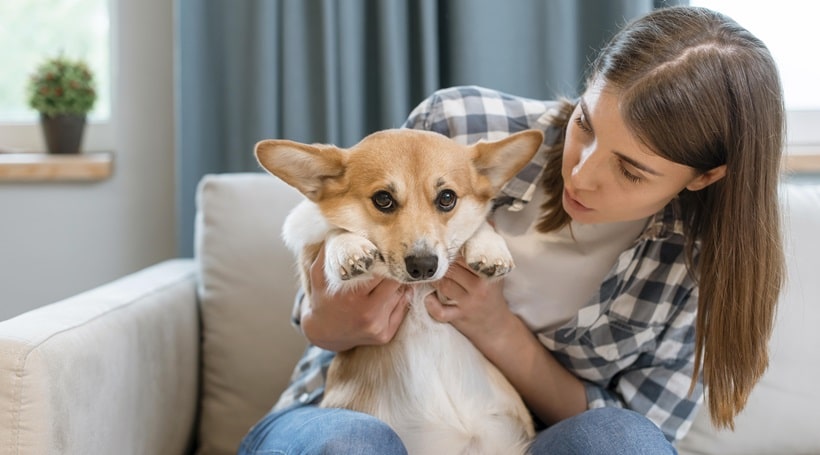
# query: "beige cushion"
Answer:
x=247 y=284
x=781 y=416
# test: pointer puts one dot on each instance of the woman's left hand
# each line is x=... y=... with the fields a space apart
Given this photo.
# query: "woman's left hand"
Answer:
x=473 y=304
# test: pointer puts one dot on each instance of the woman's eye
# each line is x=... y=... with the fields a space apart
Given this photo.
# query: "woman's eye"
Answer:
x=446 y=200
x=581 y=122
x=628 y=175
x=383 y=201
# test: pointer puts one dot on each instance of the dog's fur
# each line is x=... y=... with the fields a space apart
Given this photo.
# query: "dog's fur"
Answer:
x=430 y=384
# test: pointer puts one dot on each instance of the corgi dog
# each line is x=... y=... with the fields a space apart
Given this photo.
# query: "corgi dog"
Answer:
x=405 y=203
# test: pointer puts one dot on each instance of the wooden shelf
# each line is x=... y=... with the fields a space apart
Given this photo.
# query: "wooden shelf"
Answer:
x=43 y=167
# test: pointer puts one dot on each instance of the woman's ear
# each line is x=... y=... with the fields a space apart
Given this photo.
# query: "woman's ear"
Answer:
x=707 y=178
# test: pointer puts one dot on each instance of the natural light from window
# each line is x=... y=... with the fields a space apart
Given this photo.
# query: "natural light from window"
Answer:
x=789 y=29
x=33 y=30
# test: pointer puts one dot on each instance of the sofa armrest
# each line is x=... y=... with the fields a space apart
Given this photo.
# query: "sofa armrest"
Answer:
x=111 y=370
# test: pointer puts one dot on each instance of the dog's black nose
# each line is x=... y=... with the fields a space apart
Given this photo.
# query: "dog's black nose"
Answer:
x=421 y=267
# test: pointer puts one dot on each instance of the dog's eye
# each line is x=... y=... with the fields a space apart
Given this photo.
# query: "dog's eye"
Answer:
x=383 y=201
x=446 y=200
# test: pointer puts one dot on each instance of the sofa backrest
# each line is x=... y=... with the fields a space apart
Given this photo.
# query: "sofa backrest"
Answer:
x=247 y=283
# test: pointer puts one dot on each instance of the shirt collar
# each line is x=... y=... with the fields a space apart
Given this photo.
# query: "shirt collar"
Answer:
x=666 y=223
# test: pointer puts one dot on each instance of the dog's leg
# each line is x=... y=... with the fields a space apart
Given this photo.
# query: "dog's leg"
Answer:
x=305 y=225
x=486 y=252
x=348 y=257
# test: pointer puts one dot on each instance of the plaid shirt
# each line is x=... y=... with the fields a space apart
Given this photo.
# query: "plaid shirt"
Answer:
x=633 y=343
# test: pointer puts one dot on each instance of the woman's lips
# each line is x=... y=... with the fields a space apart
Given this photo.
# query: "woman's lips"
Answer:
x=574 y=203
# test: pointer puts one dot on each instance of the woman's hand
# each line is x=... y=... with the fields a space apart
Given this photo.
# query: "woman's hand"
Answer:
x=369 y=314
x=473 y=304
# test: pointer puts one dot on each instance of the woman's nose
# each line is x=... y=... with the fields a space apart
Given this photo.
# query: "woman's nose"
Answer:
x=584 y=174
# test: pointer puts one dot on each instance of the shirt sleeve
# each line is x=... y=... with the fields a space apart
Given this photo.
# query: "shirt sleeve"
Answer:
x=429 y=115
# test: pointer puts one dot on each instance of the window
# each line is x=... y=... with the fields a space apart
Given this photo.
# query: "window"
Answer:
x=77 y=29
x=789 y=29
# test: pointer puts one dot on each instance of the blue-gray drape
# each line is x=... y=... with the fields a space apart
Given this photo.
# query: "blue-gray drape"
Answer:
x=336 y=70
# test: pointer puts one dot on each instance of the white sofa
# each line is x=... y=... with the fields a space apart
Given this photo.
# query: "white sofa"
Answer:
x=185 y=356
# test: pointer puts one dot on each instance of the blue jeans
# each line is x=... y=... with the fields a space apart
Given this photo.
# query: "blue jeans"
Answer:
x=312 y=430
x=610 y=431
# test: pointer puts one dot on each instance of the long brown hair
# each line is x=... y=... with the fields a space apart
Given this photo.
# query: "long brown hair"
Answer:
x=702 y=91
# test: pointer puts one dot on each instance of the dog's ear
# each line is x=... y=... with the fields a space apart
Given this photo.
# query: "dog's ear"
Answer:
x=501 y=160
x=304 y=167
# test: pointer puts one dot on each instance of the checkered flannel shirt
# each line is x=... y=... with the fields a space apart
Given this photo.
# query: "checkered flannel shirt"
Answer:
x=633 y=344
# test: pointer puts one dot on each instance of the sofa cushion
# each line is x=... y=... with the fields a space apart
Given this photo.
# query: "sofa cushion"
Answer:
x=781 y=415
x=247 y=282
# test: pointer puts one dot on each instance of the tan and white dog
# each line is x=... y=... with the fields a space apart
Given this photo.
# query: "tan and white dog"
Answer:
x=404 y=204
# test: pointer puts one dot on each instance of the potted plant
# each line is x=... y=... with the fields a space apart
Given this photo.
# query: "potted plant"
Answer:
x=63 y=92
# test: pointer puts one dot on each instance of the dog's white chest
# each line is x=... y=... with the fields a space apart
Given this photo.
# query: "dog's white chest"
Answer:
x=440 y=394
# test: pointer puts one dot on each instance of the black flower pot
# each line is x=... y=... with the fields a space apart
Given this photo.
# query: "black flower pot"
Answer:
x=63 y=133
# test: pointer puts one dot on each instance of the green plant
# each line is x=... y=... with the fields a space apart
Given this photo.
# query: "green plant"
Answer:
x=62 y=86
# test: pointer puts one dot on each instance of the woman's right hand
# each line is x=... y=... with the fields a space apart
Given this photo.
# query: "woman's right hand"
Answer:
x=368 y=314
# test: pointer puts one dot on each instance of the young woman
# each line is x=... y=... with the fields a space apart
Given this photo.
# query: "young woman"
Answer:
x=647 y=242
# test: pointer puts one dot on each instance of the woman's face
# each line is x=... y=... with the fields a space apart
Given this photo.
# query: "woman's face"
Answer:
x=609 y=174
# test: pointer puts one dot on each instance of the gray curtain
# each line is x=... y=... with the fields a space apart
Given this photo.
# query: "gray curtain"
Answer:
x=336 y=70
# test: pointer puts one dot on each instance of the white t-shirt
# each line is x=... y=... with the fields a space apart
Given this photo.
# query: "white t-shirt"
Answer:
x=556 y=274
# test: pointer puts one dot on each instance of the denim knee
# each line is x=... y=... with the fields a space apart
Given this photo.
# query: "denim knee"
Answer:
x=356 y=433
x=313 y=430
x=611 y=431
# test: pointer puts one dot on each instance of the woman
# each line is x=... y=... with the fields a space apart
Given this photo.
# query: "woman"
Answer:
x=655 y=196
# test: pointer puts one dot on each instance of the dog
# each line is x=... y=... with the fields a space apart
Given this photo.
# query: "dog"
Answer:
x=404 y=204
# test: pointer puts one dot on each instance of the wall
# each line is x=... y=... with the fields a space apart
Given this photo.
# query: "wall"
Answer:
x=58 y=239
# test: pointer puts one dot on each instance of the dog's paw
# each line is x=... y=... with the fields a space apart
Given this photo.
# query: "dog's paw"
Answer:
x=487 y=254
x=349 y=256
x=491 y=267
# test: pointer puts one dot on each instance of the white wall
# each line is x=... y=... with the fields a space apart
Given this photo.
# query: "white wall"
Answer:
x=58 y=239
